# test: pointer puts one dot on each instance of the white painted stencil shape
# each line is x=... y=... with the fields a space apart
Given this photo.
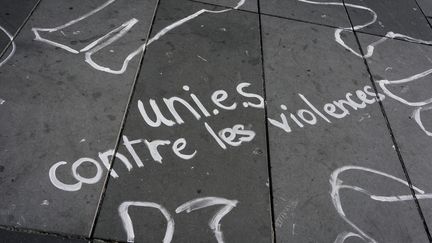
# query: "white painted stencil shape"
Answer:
x=114 y=35
x=337 y=185
x=419 y=106
x=187 y=207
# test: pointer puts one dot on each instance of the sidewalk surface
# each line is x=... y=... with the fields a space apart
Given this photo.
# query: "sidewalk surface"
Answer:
x=215 y=121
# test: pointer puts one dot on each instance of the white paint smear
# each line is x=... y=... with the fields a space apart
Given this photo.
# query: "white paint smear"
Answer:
x=45 y=203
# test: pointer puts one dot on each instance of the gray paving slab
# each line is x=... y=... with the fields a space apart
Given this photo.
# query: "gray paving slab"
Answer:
x=56 y=107
x=399 y=60
x=397 y=16
x=211 y=54
x=7 y=236
x=426 y=6
x=250 y=5
x=313 y=11
x=328 y=164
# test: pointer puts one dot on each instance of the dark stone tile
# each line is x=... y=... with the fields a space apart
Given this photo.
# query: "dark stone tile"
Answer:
x=7 y=236
x=398 y=16
x=408 y=61
x=314 y=11
x=211 y=52
x=426 y=6
x=303 y=60
x=55 y=107
x=250 y=5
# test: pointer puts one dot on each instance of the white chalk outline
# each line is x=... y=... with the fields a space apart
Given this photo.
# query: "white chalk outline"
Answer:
x=11 y=38
x=50 y=30
x=370 y=50
x=417 y=118
x=337 y=184
x=117 y=34
x=371 y=47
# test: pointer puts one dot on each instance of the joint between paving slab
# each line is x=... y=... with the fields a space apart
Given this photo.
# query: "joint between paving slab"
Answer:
x=103 y=240
x=125 y=115
x=54 y=234
x=265 y=107
x=39 y=232
x=426 y=17
x=398 y=152
x=266 y=125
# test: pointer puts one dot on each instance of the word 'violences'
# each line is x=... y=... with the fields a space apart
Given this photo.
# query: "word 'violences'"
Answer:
x=336 y=109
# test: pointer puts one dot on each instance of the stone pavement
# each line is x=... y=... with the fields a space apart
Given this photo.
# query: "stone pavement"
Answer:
x=215 y=121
